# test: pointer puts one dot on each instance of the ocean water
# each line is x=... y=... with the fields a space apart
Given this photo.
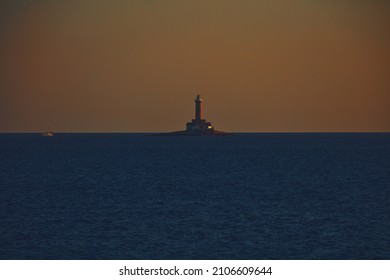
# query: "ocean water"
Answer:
x=247 y=196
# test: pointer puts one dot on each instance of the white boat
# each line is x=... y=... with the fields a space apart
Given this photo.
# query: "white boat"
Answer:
x=48 y=134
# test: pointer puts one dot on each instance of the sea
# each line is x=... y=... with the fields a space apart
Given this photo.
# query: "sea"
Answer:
x=276 y=196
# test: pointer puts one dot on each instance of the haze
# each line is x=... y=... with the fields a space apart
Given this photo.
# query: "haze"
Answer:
x=134 y=66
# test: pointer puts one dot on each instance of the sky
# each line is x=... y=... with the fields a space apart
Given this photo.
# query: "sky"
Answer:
x=136 y=66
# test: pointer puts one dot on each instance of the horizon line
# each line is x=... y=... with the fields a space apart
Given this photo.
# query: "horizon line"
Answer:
x=151 y=132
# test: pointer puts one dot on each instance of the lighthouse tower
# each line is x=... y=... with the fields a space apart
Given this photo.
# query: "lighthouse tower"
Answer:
x=198 y=108
x=199 y=125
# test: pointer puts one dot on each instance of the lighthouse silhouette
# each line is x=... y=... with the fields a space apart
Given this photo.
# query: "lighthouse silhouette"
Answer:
x=198 y=124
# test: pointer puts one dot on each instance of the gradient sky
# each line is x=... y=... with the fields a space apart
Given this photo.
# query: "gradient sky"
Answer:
x=133 y=66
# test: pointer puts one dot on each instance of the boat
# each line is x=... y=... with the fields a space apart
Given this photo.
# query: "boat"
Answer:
x=48 y=134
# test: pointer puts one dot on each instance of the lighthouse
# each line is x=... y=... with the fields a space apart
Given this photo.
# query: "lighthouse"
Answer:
x=199 y=125
x=196 y=126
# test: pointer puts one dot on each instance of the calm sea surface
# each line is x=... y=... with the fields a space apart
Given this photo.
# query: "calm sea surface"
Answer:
x=248 y=196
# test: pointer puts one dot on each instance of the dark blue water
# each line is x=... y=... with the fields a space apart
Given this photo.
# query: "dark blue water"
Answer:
x=252 y=196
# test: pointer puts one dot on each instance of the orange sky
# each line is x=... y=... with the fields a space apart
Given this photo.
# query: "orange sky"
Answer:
x=133 y=66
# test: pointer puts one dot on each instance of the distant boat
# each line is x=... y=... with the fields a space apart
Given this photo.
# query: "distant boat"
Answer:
x=48 y=134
